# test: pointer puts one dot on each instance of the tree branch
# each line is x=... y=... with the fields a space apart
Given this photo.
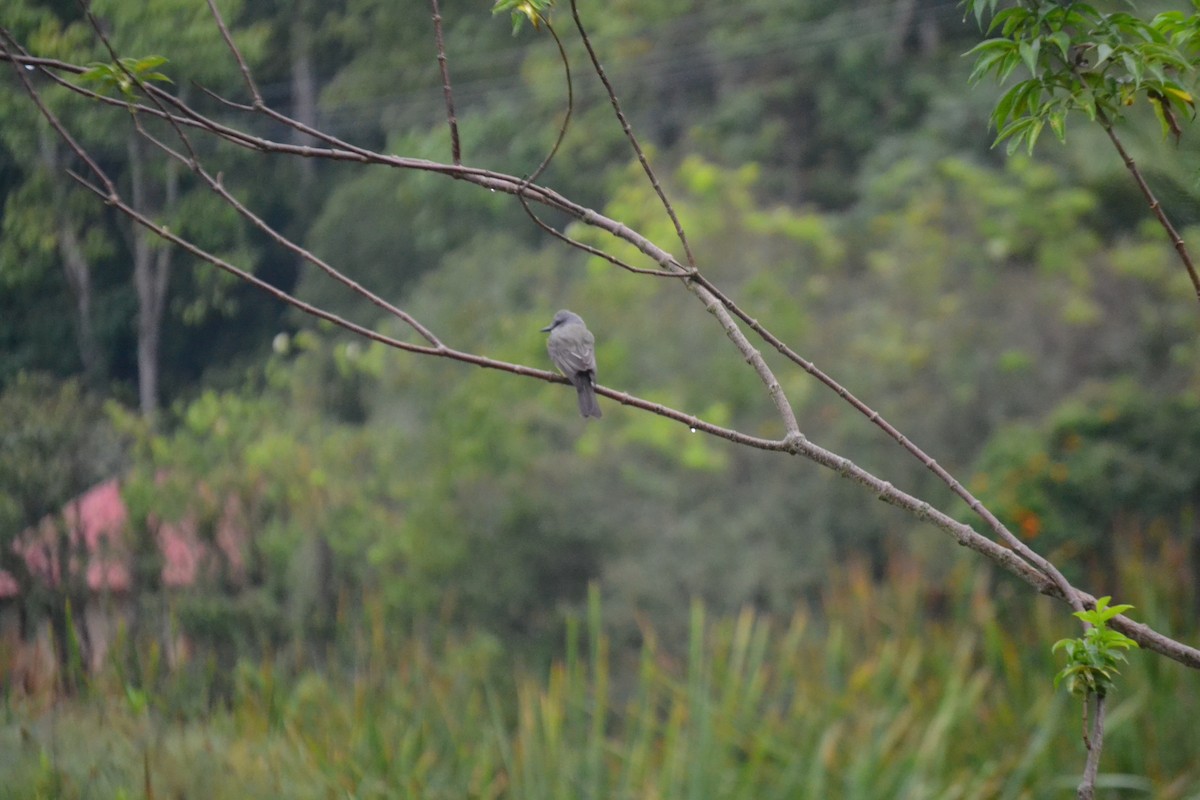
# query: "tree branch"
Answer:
x=562 y=128
x=628 y=129
x=451 y=120
x=1155 y=206
x=1094 y=744
x=237 y=55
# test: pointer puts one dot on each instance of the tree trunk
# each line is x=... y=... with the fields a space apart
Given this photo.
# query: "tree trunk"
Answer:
x=151 y=275
x=79 y=279
x=304 y=84
x=77 y=270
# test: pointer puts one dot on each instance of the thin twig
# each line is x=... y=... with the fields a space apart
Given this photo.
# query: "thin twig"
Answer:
x=247 y=76
x=1151 y=199
x=455 y=148
x=1156 y=208
x=594 y=251
x=711 y=303
x=562 y=132
x=337 y=149
x=562 y=128
x=633 y=142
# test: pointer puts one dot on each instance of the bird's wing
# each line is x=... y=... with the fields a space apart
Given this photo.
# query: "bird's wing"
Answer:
x=575 y=359
x=575 y=354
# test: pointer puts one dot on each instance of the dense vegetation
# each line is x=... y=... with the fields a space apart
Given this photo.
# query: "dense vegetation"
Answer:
x=418 y=524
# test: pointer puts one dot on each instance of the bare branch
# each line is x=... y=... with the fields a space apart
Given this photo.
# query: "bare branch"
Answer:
x=1155 y=206
x=550 y=198
x=595 y=251
x=237 y=54
x=455 y=147
x=562 y=129
x=625 y=126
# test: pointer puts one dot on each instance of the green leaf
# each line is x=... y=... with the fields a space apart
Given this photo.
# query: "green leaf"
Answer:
x=1087 y=103
x=1015 y=132
x=1058 y=124
x=1035 y=130
x=117 y=76
x=1005 y=68
x=1063 y=41
x=1092 y=658
x=534 y=12
x=97 y=72
x=1179 y=98
x=1009 y=19
x=1014 y=103
x=1029 y=54
x=149 y=62
x=992 y=53
x=1102 y=613
x=1164 y=124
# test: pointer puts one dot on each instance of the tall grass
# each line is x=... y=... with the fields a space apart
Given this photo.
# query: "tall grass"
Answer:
x=898 y=689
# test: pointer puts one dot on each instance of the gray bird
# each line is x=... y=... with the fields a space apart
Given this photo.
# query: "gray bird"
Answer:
x=572 y=349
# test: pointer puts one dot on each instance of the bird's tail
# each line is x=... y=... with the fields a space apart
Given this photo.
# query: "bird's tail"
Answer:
x=588 y=406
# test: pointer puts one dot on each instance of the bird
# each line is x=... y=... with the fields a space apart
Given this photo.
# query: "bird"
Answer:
x=572 y=348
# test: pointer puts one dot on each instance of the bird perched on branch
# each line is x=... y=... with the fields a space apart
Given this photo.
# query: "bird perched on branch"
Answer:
x=572 y=348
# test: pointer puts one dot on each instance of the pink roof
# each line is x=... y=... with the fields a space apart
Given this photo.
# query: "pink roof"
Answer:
x=99 y=519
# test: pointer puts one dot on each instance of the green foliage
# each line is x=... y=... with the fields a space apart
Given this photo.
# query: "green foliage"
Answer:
x=126 y=75
x=890 y=690
x=54 y=445
x=535 y=12
x=1108 y=461
x=302 y=495
x=1081 y=59
x=1092 y=659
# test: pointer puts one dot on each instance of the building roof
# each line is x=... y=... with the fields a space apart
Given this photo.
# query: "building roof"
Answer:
x=97 y=525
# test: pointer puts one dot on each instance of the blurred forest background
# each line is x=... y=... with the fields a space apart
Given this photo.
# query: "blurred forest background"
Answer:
x=399 y=550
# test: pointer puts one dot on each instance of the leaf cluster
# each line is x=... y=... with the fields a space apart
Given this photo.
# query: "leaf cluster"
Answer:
x=535 y=12
x=125 y=74
x=1080 y=59
x=1092 y=658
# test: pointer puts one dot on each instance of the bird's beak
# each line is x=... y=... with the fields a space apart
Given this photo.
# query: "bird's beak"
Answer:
x=548 y=328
